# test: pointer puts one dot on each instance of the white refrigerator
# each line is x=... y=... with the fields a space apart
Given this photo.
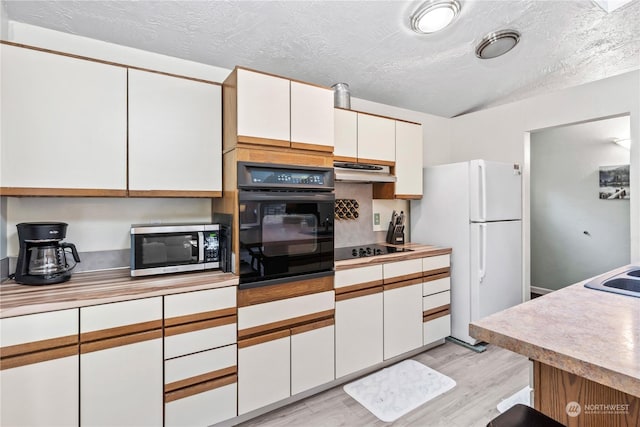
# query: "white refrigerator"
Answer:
x=475 y=208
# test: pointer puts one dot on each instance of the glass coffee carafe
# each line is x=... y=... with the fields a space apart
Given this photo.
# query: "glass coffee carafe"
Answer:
x=49 y=260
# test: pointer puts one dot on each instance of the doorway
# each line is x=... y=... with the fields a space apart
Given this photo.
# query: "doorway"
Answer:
x=578 y=229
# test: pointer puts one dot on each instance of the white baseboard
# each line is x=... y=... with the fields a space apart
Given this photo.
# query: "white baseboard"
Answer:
x=540 y=291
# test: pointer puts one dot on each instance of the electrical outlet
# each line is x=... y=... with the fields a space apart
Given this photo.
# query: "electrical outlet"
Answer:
x=376 y=218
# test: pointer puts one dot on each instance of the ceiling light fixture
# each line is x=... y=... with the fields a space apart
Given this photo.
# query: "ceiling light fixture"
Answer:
x=623 y=142
x=434 y=15
x=498 y=43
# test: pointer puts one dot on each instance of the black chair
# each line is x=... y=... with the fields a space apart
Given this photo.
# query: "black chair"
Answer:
x=523 y=416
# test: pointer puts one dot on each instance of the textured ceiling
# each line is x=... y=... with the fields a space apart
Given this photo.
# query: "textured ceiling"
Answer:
x=368 y=44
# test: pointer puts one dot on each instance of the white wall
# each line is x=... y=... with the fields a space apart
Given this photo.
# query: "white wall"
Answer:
x=97 y=224
x=502 y=133
x=565 y=163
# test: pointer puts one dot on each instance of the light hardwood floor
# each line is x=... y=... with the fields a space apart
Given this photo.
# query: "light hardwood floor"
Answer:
x=483 y=380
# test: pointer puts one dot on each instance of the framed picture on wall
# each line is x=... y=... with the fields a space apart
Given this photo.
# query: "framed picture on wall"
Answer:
x=614 y=182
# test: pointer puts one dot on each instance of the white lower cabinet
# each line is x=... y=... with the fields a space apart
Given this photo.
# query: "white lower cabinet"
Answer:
x=436 y=329
x=402 y=320
x=39 y=388
x=121 y=366
x=359 y=339
x=202 y=409
x=122 y=385
x=312 y=358
x=264 y=372
x=40 y=394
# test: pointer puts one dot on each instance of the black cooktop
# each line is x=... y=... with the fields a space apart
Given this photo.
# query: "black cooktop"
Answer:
x=373 y=249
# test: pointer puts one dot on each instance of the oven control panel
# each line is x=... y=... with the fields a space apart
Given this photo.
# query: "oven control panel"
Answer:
x=263 y=175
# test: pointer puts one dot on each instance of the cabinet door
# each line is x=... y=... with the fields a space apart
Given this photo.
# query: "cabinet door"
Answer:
x=121 y=364
x=345 y=135
x=358 y=333
x=65 y=118
x=264 y=372
x=175 y=135
x=408 y=160
x=39 y=375
x=376 y=139
x=263 y=108
x=402 y=320
x=312 y=119
x=312 y=356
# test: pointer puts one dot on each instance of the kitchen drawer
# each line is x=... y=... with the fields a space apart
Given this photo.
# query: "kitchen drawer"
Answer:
x=402 y=270
x=39 y=327
x=119 y=314
x=290 y=308
x=435 y=262
x=354 y=276
x=436 y=329
x=200 y=364
x=199 y=302
x=431 y=302
x=436 y=286
x=202 y=409
x=186 y=342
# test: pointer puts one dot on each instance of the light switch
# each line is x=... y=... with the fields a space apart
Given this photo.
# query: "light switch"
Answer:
x=376 y=218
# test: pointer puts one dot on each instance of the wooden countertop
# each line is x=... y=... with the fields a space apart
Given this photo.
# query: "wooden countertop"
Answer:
x=102 y=287
x=417 y=251
x=586 y=332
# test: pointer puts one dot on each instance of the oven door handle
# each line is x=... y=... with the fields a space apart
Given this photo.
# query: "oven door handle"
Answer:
x=277 y=195
x=200 y=247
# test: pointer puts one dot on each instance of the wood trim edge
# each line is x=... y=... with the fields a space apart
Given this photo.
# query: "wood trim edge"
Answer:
x=442 y=308
x=260 y=339
x=200 y=388
x=38 y=357
x=209 y=376
x=285 y=324
x=119 y=341
x=61 y=192
x=198 y=326
x=357 y=294
x=198 y=317
x=403 y=284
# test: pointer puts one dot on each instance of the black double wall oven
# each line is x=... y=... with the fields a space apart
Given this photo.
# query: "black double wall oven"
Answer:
x=286 y=223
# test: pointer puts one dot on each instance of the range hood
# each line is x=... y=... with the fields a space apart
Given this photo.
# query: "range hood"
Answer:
x=360 y=172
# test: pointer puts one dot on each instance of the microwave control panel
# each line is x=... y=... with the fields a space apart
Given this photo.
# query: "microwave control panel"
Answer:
x=211 y=246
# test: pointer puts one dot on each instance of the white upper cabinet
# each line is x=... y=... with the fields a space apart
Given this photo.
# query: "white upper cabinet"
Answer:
x=175 y=136
x=263 y=106
x=312 y=118
x=64 y=125
x=345 y=135
x=408 y=160
x=376 y=139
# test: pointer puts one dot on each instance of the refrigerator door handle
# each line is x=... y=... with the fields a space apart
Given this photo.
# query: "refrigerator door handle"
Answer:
x=483 y=190
x=482 y=253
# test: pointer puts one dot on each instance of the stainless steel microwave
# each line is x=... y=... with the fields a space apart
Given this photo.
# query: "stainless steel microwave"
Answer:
x=174 y=248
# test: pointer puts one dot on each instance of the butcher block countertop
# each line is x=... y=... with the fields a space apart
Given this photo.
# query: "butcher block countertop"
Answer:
x=102 y=287
x=589 y=333
x=417 y=251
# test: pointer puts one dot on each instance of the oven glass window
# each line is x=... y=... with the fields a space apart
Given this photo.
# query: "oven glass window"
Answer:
x=280 y=239
x=154 y=250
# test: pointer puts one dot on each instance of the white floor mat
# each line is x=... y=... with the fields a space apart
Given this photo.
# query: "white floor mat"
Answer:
x=523 y=396
x=394 y=391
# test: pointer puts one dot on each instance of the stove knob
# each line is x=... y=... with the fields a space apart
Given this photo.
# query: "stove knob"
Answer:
x=369 y=251
x=354 y=252
x=362 y=252
x=378 y=251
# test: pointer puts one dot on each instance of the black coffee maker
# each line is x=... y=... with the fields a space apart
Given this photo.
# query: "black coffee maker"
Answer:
x=42 y=259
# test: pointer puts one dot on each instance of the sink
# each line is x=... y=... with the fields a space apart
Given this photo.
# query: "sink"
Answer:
x=624 y=281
